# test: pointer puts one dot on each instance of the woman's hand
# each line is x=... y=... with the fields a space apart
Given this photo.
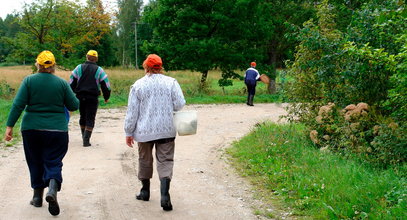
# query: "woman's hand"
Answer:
x=9 y=134
x=129 y=141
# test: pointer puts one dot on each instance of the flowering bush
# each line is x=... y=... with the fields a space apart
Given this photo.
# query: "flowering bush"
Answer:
x=356 y=129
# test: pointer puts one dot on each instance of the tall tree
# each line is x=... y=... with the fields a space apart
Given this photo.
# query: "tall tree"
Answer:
x=128 y=19
x=195 y=35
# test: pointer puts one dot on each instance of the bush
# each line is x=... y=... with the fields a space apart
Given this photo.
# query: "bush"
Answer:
x=357 y=129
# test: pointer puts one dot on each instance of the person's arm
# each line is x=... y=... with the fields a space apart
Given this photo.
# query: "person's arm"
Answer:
x=70 y=101
x=257 y=76
x=130 y=121
x=178 y=99
x=73 y=79
x=9 y=133
x=104 y=84
x=19 y=104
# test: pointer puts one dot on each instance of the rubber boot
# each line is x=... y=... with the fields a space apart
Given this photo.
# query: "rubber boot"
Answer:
x=248 y=100
x=86 y=138
x=37 y=197
x=251 y=100
x=82 y=131
x=165 y=195
x=145 y=191
x=53 y=206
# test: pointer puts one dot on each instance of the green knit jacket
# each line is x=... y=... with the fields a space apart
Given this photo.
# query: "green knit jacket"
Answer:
x=43 y=96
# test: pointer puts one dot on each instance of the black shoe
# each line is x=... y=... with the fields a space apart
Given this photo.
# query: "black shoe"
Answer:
x=165 y=195
x=86 y=138
x=37 y=197
x=145 y=191
x=251 y=97
x=51 y=197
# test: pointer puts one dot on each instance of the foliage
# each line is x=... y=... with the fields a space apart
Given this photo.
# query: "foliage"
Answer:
x=204 y=35
x=281 y=161
x=396 y=103
x=359 y=129
x=64 y=27
x=127 y=22
x=329 y=72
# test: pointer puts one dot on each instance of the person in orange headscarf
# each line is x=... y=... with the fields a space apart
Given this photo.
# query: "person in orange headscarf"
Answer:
x=149 y=121
x=250 y=79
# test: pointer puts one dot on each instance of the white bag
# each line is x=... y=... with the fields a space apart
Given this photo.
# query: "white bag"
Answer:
x=186 y=122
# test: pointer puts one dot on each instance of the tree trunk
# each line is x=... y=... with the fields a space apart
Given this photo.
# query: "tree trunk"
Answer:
x=203 y=79
x=272 y=86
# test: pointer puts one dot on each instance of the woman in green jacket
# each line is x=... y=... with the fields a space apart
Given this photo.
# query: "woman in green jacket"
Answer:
x=43 y=96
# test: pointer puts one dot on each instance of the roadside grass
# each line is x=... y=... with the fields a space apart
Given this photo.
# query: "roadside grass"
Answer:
x=5 y=106
x=282 y=164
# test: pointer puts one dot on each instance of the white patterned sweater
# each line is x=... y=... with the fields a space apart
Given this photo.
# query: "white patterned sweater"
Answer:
x=152 y=101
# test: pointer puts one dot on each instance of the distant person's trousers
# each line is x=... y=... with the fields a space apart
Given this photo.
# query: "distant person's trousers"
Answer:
x=164 y=154
x=87 y=109
x=251 y=87
x=44 y=151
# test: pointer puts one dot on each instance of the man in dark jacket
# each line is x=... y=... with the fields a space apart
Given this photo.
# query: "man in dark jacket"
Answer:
x=250 y=79
x=86 y=81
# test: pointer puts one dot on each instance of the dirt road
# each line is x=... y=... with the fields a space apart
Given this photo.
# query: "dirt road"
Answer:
x=100 y=181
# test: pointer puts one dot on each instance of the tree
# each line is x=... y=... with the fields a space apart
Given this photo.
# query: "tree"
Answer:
x=9 y=27
x=197 y=35
x=66 y=28
x=128 y=18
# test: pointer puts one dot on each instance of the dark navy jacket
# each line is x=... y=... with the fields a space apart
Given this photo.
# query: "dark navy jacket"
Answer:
x=251 y=76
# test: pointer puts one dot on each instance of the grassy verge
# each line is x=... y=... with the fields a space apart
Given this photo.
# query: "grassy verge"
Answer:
x=5 y=106
x=280 y=160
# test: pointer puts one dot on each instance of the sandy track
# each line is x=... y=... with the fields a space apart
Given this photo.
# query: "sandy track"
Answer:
x=100 y=181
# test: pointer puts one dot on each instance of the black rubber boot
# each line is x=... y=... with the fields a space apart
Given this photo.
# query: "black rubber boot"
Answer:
x=82 y=131
x=251 y=97
x=51 y=197
x=86 y=138
x=165 y=195
x=248 y=100
x=145 y=191
x=37 y=197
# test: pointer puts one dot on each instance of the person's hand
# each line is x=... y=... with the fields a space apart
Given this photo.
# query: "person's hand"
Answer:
x=129 y=141
x=106 y=101
x=9 y=134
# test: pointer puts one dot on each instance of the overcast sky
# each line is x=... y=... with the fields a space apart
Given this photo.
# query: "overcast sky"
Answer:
x=9 y=6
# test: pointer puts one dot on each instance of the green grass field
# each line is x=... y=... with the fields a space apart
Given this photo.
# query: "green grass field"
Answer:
x=282 y=163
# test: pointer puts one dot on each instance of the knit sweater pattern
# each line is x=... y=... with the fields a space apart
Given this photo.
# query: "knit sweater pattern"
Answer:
x=151 y=105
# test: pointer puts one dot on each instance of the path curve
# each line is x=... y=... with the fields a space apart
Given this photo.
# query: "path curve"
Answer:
x=100 y=181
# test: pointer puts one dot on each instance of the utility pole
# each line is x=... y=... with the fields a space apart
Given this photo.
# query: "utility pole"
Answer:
x=135 y=43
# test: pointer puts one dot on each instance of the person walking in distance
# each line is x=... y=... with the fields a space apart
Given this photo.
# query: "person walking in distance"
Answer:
x=149 y=121
x=250 y=79
x=86 y=81
x=44 y=97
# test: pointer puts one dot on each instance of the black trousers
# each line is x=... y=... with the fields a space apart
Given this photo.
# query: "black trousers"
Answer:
x=251 y=87
x=87 y=109
x=44 y=151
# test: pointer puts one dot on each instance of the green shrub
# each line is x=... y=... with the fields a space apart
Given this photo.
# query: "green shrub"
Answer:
x=358 y=130
x=6 y=91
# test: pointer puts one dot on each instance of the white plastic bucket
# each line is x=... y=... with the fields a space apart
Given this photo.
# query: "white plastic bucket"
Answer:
x=186 y=122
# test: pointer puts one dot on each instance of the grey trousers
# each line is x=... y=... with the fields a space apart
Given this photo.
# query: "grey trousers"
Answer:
x=164 y=153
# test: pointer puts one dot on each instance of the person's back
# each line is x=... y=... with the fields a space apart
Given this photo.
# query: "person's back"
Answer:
x=46 y=100
x=156 y=95
x=87 y=80
x=251 y=75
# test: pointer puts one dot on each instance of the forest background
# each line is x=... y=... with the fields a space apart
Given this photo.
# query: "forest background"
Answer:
x=341 y=64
